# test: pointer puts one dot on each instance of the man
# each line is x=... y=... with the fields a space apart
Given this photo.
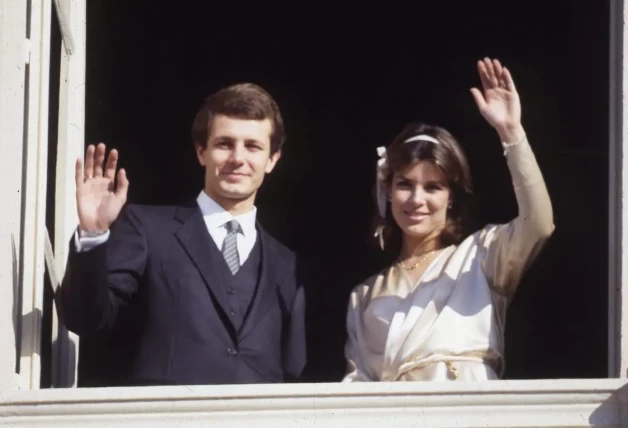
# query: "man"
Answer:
x=216 y=300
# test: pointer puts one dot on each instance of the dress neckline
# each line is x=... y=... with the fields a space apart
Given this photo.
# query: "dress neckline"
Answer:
x=415 y=285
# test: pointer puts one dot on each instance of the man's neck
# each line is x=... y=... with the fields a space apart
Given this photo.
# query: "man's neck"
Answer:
x=234 y=207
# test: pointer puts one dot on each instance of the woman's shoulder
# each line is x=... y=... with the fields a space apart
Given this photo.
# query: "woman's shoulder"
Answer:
x=366 y=287
x=370 y=281
x=479 y=236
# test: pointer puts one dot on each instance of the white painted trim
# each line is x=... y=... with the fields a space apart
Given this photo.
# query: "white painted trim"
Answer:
x=543 y=403
x=51 y=264
x=615 y=185
x=70 y=146
x=34 y=220
x=622 y=299
x=12 y=81
x=62 y=8
x=620 y=177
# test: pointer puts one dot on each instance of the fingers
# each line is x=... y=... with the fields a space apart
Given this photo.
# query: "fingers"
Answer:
x=499 y=73
x=89 y=162
x=497 y=67
x=509 y=83
x=123 y=185
x=486 y=83
x=95 y=160
x=494 y=75
x=490 y=71
x=479 y=99
x=78 y=173
x=99 y=160
x=112 y=163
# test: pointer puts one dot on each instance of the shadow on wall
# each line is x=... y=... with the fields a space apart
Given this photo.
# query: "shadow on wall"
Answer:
x=17 y=303
x=613 y=412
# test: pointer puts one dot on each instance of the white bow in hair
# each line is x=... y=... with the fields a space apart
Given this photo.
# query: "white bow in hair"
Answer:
x=382 y=163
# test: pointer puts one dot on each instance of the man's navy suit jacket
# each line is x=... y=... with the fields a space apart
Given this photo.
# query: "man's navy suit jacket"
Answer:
x=158 y=263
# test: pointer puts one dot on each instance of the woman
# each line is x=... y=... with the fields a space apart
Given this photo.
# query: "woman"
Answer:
x=439 y=312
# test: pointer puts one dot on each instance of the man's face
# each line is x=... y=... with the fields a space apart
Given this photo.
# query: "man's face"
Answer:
x=237 y=158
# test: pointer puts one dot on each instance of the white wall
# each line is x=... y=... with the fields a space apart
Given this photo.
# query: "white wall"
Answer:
x=12 y=80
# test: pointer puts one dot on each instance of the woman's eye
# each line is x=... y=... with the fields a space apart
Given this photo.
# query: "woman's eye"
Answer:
x=434 y=187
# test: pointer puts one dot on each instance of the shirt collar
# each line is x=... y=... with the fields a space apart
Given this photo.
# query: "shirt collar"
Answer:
x=216 y=216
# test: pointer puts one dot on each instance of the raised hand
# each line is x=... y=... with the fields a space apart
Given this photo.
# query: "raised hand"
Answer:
x=98 y=200
x=499 y=102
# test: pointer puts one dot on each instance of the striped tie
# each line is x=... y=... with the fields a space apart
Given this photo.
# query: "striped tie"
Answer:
x=230 y=247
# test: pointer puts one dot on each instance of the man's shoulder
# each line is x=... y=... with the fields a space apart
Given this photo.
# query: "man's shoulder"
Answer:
x=154 y=217
x=276 y=246
x=144 y=210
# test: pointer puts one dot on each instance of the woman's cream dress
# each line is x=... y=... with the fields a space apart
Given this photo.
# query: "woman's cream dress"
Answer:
x=450 y=325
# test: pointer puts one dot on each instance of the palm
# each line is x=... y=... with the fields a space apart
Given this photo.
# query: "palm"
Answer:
x=98 y=201
x=97 y=205
x=499 y=102
x=501 y=107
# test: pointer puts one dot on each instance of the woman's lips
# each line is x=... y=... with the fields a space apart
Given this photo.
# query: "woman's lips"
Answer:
x=417 y=216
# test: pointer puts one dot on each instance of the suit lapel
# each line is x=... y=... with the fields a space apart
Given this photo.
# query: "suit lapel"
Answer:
x=197 y=242
x=271 y=273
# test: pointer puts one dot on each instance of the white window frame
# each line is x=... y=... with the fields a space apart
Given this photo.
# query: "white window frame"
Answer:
x=71 y=144
x=34 y=209
x=24 y=97
x=495 y=404
x=618 y=192
x=249 y=398
x=26 y=107
x=12 y=80
x=71 y=141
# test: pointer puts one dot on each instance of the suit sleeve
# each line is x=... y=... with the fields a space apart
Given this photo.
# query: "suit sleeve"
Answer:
x=98 y=282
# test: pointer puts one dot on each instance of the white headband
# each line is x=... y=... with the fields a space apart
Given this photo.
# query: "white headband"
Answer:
x=422 y=137
x=382 y=163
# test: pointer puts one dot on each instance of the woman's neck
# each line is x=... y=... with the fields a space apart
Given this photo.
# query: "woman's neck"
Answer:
x=413 y=247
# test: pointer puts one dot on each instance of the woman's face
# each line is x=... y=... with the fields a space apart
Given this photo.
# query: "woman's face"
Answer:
x=419 y=200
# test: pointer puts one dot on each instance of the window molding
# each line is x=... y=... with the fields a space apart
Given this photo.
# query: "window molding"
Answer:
x=543 y=403
x=62 y=7
x=70 y=146
x=12 y=81
x=454 y=399
x=618 y=192
x=34 y=206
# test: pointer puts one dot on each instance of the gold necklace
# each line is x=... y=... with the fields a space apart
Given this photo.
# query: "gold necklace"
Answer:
x=421 y=260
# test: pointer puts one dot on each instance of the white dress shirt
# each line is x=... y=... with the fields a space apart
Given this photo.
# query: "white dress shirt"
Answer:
x=216 y=219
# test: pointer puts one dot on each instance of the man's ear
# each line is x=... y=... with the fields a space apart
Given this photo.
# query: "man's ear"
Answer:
x=272 y=161
x=200 y=153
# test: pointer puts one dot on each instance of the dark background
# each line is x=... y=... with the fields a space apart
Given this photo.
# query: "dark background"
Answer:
x=347 y=80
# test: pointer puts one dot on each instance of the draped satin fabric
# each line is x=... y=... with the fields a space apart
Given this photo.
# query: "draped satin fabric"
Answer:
x=450 y=324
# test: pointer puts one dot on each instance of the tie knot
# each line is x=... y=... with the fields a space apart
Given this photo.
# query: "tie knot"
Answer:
x=232 y=226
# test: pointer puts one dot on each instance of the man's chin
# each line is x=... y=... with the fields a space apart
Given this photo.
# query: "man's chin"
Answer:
x=236 y=194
